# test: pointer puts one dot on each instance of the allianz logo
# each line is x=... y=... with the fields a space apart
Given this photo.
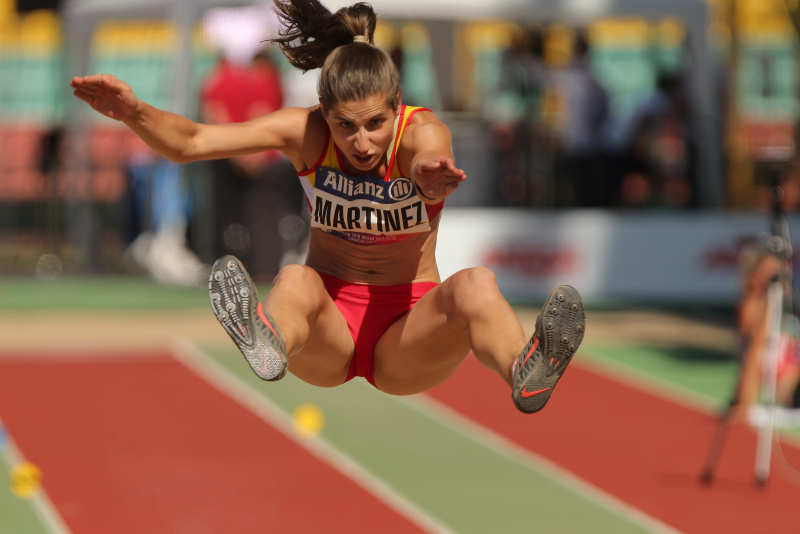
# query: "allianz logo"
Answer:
x=338 y=182
x=400 y=189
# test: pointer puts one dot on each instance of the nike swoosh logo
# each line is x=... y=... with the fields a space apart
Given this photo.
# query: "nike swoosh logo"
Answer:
x=265 y=362
x=264 y=320
x=533 y=348
x=525 y=393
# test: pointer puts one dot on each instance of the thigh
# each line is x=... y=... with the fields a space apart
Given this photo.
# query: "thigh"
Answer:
x=424 y=347
x=317 y=335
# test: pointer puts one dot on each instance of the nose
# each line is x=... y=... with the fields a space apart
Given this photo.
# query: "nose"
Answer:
x=362 y=141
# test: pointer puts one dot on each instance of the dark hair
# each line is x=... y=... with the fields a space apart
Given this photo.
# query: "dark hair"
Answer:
x=312 y=37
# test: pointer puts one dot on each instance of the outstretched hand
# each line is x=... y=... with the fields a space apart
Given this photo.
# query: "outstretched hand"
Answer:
x=437 y=177
x=107 y=95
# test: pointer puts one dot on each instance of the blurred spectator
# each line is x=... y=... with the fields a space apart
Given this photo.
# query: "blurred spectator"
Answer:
x=161 y=209
x=788 y=176
x=760 y=267
x=581 y=177
x=659 y=146
x=258 y=199
x=514 y=113
x=636 y=190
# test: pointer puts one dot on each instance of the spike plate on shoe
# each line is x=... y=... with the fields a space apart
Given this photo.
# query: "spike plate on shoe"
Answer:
x=232 y=294
x=559 y=331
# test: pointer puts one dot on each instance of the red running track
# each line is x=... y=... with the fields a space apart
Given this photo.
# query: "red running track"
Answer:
x=142 y=445
x=643 y=449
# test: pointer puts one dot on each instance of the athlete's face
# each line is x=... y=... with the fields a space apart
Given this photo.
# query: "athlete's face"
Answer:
x=362 y=130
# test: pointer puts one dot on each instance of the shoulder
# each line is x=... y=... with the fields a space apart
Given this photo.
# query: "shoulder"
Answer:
x=424 y=128
x=420 y=116
x=424 y=134
x=314 y=136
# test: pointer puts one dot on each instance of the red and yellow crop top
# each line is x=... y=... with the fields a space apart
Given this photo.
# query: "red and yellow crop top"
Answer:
x=369 y=210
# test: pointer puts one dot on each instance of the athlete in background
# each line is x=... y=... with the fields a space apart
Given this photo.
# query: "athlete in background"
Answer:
x=368 y=302
x=761 y=266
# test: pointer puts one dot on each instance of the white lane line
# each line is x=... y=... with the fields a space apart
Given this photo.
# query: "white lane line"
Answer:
x=648 y=383
x=495 y=442
x=40 y=502
x=229 y=384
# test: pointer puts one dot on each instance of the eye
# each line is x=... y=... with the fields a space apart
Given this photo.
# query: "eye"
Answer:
x=346 y=124
x=378 y=122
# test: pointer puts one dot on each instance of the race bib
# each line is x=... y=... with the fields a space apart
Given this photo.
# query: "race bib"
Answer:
x=367 y=210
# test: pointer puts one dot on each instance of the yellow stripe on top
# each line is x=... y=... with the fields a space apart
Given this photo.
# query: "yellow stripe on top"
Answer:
x=328 y=159
x=406 y=114
x=331 y=158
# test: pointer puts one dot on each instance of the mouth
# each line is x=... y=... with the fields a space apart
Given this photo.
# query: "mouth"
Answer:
x=362 y=160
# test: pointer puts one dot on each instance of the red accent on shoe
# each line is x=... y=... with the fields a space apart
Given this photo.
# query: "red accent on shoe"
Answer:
x=525 y=393
x=261 y=314
x=533 y=348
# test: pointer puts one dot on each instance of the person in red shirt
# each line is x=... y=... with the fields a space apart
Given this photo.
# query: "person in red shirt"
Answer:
x=253 y=193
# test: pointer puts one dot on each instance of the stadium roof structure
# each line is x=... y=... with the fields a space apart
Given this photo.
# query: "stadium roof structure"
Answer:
x=82 y=15
x=575 y=11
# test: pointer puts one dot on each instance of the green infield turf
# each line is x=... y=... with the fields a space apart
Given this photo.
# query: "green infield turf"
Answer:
x=100 y=293
x=17 y=515
x=709 y=376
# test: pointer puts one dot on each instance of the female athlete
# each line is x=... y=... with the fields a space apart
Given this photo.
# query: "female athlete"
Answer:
x=368 y=302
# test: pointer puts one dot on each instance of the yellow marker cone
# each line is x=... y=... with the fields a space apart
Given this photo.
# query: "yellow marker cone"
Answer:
x=308 y=420
x=26 y=479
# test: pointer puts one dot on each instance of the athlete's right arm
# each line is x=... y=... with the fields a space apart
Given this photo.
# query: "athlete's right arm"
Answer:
x=182 y=140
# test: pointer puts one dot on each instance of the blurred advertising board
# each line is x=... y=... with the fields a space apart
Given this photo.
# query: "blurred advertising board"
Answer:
x=665 y=258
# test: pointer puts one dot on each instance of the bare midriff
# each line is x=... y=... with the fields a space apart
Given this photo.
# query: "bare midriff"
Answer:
x=410 y=260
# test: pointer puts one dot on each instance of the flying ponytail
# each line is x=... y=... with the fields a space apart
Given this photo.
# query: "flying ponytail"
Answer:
x=342 y=44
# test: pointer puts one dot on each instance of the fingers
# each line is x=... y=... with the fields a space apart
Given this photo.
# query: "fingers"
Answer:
x=430 y=165
x=83 y=96
x=98 y=82
x=458 y=174
x=94 y=80
x=450 y=165
x=442 y=163
x=77 y=83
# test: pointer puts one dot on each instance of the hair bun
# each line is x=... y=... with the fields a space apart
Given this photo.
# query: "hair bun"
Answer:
x=310 y=32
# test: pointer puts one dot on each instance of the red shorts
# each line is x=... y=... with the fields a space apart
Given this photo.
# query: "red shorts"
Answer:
x=369 y=312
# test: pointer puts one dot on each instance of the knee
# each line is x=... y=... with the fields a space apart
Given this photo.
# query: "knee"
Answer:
x=298 y=278
x=476 y=279
x=472 y=288
x=293 y=274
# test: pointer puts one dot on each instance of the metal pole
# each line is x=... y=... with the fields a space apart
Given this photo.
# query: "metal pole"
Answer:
x=769 y=380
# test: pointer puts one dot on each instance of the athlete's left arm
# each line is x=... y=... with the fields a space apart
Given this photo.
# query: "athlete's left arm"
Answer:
x=426 y=149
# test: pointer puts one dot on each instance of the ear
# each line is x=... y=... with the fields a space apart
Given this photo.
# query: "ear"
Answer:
x=399 y=101
x=323 y=109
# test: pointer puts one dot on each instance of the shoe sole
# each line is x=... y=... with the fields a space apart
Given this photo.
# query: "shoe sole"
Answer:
x=232 y=294
x=560 y=328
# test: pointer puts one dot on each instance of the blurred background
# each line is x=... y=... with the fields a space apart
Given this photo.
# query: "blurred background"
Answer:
x=626 y=147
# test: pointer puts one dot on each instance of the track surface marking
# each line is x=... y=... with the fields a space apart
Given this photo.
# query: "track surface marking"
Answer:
x=141 y=444
x=465 y=484
x=641 y=448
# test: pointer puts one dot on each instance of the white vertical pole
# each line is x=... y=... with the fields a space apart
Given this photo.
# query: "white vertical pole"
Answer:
x=769 y=379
